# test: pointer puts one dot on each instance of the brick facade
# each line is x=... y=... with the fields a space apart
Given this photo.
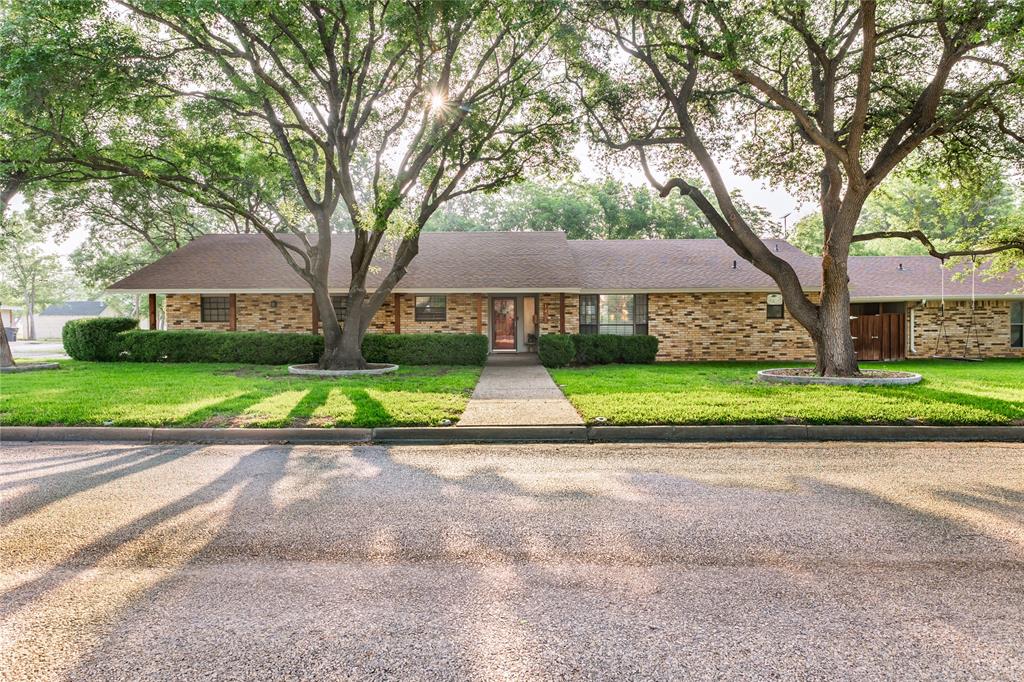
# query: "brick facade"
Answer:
x=689 y=326
x=182 y=312
x=723 y=326
x=549 y=314
x=991 y=325
x=258 y=312
x=462 y=312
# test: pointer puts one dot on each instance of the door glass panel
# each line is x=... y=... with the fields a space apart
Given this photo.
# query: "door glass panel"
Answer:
x=529 y=316
x=504 y=318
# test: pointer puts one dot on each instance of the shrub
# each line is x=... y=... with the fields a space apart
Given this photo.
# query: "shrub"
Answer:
x=556 y=350
x=266 y=348
x=638 y=349
x=426 y=349
x=597 y=349
x=95 y=338
x=258 y=348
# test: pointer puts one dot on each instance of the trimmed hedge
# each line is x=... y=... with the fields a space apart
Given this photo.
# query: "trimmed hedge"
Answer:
x=266 y=348
x=95 y=338
x=257 y=348
x=555 y=350
x=426 y=349
x=558 y=350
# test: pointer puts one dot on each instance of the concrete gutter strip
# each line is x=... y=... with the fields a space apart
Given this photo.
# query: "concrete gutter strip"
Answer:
x=520 y=434
x=480 y=434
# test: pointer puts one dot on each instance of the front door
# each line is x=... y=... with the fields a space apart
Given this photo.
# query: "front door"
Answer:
x=503 y=322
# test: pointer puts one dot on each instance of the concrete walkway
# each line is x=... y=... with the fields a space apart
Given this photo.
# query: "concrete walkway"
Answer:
x=514 y=390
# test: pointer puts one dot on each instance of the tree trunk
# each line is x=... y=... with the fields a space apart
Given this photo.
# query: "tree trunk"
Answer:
x=30 y=315
x=833 y=344
x=342 y=344
x=6 y=356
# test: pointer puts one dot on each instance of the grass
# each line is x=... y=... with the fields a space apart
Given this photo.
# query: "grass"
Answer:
x=143 y=394
x=990 y=392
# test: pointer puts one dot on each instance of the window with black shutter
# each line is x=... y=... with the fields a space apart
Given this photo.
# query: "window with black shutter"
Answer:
x=588 y=314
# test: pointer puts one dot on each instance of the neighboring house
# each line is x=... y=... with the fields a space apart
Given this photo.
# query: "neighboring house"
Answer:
x=699 y=298
x=11 y=318
x=50 y=323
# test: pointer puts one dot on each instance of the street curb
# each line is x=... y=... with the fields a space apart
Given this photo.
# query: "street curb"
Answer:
x=520 y=434
x=480 y=434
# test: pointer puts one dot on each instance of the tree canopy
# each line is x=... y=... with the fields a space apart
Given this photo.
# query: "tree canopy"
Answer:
x=825 y=98
x=608 y=209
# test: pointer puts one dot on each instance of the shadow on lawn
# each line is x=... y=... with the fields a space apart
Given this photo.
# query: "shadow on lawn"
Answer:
x=1011 y=410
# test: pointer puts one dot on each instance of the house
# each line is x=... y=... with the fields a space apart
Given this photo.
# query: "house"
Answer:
x=49 y=324
x=12 y=321
x=697 y=296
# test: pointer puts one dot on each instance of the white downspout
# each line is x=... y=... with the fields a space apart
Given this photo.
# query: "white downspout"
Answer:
x=913 y=329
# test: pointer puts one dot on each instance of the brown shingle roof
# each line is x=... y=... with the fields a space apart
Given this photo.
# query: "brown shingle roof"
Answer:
x=462 y=261
x=912 y=277
x=543 y=261
x=680 y=265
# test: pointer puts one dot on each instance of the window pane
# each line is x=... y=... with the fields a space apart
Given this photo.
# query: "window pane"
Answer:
x=617 y=329
x=1017 y=335
x=588 y=312
x=1017 y=313
x=430 y=308
x=213 y=308
x=640 y=309
x=616 y=309
x=340 y=304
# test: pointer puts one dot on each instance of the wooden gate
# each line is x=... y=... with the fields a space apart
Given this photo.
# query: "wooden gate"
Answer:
x=879 y=337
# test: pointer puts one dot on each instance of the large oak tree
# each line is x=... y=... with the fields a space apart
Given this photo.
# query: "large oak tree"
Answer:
x=298 y=117
x=827 y=98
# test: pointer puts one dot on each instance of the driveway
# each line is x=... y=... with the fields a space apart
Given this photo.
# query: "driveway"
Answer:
x=530 y=562
x=38 y=349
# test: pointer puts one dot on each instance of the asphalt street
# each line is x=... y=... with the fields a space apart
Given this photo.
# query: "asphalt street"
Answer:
x=872 y=561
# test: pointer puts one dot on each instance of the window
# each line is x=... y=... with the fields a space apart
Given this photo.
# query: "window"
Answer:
x=214 y=308
x=431 y=309
x=340 y=304
x=1017 y=324
x=622 y=314
x=775 y=307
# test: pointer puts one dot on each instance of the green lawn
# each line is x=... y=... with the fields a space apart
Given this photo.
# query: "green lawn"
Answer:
x=990 y=392
x=141 y=394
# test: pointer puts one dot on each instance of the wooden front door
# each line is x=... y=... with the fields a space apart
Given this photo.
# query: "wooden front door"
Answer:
x=503 y=322
x=879 y=337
